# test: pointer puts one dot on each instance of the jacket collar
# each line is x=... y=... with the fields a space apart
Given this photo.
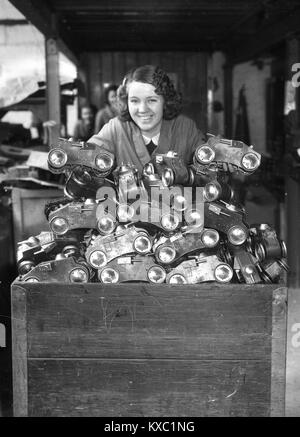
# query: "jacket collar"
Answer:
x=164 y=143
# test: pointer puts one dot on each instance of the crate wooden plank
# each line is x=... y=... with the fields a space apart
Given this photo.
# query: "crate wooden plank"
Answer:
x=278 y=372
x=19 y=352
x=293 y=355
x=142 y=321
x=148 y=388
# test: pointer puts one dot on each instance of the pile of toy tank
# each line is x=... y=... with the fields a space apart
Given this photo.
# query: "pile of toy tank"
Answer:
x=169 y=223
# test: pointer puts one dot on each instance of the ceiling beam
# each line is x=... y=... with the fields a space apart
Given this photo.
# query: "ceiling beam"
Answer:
x=161 y=19
x=138 y=5
x=238 y=25
x=264 y=39
x=145 y=45
x=43 y=19
x=179 y=29
x=13 y=22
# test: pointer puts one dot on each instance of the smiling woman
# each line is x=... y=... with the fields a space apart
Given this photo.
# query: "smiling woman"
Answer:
x=145 y=107
x=149 y=120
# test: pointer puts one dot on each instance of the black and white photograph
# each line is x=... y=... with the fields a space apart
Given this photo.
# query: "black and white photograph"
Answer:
x=149 y=211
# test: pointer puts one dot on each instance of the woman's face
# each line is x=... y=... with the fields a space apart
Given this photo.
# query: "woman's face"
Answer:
x=145 y=107
x=112 y=98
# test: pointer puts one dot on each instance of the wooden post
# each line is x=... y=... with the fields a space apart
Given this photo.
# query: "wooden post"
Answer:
x=292 y=186
x=228 y=100
x=2 y=335
x=53 y=86
x=293 y=244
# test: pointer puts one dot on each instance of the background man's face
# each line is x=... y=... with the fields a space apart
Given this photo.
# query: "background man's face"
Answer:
x=87 y=115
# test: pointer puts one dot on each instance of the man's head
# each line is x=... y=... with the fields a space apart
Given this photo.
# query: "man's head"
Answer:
x=87 y=114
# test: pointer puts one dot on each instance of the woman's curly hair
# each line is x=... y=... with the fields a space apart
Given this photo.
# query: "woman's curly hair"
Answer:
x=163 y=86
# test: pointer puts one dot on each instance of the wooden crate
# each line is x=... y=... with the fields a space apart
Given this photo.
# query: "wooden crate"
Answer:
x=144 y=350
x=28 y=211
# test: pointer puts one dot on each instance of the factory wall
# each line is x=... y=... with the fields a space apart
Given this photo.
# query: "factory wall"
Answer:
x=254 y=78
x=261 y=205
